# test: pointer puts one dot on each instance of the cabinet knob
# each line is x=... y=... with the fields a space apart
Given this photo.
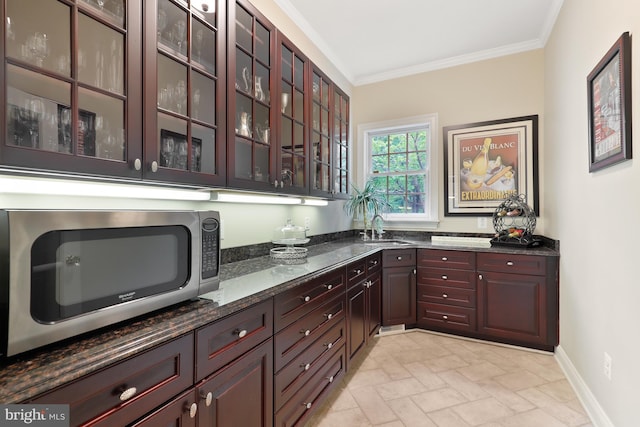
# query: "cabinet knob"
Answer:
x=329 y=345
x=510 y=263
x=329 y=287
x=480 y=276
x=241 y=333
x=193 y=410
x=154 y=166
x=207 y=397
x=328 y=316
x=137 y=164
x=306 y=298
x=399 y=258
x=445 y=296
x=358 y=271
x=445 y=317
x=128 y=394
x=330 y=379
x=305 y=332
x=307 y=405
x=306 y=366
x=444 y=258
x=444 y=277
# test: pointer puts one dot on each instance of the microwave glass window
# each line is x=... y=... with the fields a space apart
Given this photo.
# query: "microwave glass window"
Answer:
x=77 y=271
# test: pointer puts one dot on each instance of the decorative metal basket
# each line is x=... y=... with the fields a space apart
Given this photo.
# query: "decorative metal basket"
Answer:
x=514 y=222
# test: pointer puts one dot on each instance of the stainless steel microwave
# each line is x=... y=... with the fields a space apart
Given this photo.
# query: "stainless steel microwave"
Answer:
x=64 y=272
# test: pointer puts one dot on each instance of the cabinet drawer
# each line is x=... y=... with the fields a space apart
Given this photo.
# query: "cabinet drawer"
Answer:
x=224 y=340
x=129 y=389
x=399 y=258
x=446 y=295
x=374 y=263
x=446 y=277
x=461 y=260
x=291 y=305
x=509 y=263
x=293 y=376
x=304 y=403
x=295 y=339
x=446 y=316
x=356 y=271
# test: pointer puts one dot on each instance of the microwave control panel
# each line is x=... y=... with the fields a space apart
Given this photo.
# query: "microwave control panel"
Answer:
x=210 y=250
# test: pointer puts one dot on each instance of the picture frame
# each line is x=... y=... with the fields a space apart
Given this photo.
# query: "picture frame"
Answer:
x=609 y=98
x=477 y=182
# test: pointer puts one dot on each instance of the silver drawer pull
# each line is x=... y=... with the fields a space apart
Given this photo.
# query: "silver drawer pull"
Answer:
x=399 y=258
x=193 y=410
x=444 y=258
x=445 y=317
x=128 y=394
x=241 y=333
x=307 y=405
x=328 y=316
x=306 y=366
x=208 y=398
x=330 y=379
x=306 y=332
x=329 y=345
x=444 y=277
x=358 y=271
x=445 y=296
x=329 y=287
x=306 y=298
x=509 y=263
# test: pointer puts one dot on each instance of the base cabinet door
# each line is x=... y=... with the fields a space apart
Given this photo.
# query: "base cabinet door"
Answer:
x=240 y=394
x=374 y=304
x=512 y=307
x=179 y=412
x=398 y=296
x=357 y=322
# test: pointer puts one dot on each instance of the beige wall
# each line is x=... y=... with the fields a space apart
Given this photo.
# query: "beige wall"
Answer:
x=505 y=87
x=595 y=215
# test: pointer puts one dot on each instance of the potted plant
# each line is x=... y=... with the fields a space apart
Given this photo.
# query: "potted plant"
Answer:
x=369 y=199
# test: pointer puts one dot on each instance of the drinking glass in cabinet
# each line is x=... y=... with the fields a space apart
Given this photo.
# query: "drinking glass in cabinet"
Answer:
x=112 y=10
x=101 y=63
x=203 y=96
x=203 y=49
x=173 y=150
x=172 y=27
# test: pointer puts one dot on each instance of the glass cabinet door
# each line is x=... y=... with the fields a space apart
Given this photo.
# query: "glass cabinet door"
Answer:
x=250 y=89
x=184 y=139
x=67 y=101
x=320 y=136
x=292 y=130
x=340 y=144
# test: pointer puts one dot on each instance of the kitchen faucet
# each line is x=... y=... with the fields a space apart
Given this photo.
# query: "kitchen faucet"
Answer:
x=373 y=228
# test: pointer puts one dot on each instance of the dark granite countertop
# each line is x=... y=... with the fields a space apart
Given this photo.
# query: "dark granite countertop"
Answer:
x=243 y=283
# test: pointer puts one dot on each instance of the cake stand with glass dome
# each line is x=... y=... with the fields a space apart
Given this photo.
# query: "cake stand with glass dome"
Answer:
x=514 y=222
x=290 y=235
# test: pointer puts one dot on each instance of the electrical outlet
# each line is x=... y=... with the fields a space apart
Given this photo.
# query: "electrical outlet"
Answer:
x=607 y=365
x=482 y=222
x=307 y=222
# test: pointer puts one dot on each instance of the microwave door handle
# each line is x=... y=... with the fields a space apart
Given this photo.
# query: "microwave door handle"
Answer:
x=69 y=262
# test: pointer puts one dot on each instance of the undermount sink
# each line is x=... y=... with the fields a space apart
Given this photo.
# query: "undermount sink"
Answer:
x=391 y=242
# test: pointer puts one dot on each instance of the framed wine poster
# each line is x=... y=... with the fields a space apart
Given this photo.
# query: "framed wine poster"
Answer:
x=486 y=162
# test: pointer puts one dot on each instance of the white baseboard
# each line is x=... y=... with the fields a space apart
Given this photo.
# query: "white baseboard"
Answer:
x=598 y=417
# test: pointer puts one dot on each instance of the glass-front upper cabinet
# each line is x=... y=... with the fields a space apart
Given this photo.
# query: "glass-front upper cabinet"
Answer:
x=320 y=135
x=184 y=82
x=68 y=99
x=292 y=153
x=251 y=116
x=341 y=147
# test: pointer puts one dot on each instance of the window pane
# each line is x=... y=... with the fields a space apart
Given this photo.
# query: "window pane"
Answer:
x=415 y=203
x=398 y=143
x=417 y=161
x=416 y=183
x=397 y=184
x=418 y=141
x=380 y=183
x=397 y=204
x=379 y=145
x=398 y=162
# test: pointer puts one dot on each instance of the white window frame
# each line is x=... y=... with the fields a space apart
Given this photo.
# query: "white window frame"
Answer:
x=428 y=220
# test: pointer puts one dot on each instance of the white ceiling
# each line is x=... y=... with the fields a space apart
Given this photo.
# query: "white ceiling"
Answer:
x=375 y=40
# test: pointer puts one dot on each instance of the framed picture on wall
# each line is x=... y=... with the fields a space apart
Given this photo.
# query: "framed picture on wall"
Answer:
x=609 y=97
x=487 y=162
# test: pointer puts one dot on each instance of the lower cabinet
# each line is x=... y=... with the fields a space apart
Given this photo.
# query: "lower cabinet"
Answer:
x=398 y=287
x=179 y=412
x=364 y=304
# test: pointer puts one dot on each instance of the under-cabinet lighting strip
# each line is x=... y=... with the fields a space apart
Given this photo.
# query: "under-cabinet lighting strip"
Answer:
x=254 y=198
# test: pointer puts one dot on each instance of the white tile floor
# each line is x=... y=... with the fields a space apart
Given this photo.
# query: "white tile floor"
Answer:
x=423 y=379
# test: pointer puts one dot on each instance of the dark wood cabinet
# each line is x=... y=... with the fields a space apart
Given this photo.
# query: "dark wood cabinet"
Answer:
x=363 y=304
x=181 y=411
x=124 y=392
x=447 y=290
x=240 y=394
x=185 y=93
x=70 y=98
x=252 y=98
x=518 y=299
x=398 y=287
